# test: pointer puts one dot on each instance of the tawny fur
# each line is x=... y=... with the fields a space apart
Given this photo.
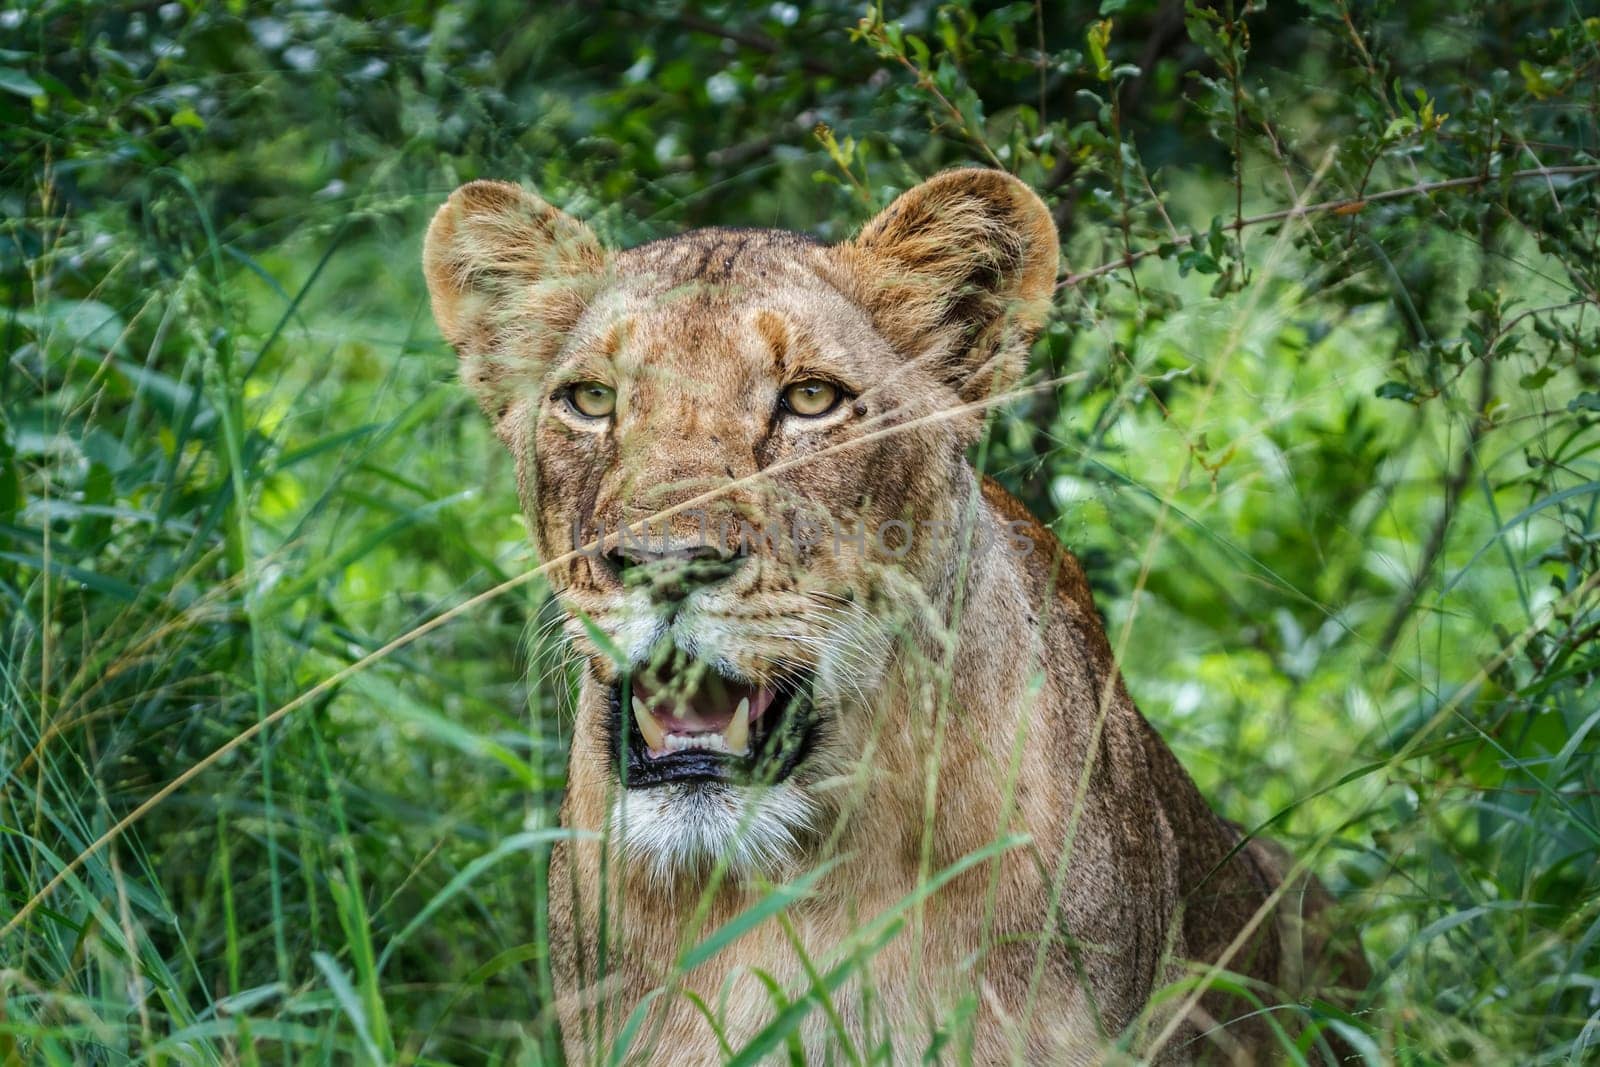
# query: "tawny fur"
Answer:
x=931 y=665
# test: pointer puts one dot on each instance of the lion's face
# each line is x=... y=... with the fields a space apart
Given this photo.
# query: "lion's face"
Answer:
x=743 y=454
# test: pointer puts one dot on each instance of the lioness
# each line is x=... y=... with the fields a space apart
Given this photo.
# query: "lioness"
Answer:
x=817 y=645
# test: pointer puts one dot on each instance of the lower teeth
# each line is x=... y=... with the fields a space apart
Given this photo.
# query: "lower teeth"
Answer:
x=692 y=742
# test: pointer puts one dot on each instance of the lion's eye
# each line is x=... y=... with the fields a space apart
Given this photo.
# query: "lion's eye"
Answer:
x=811 y=398
x=593 y=400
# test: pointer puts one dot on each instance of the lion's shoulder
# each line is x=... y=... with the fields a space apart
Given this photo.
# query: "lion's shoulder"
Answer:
x=1050 y=565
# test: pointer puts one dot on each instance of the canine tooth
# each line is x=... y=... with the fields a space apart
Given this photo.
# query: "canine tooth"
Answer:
x=736 y=738
x=654 y=737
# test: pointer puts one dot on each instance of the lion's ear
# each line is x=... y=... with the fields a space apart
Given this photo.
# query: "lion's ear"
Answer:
x=508 y=276
x=959 y=272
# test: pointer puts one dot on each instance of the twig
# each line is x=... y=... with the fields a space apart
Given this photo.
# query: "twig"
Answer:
x=1166 y=30
x=1345 y=206
x=926 y=83
x=1235 y=72
x=1454 y=483
x=1044 y=74
x=754 y=39
x=1506 y=327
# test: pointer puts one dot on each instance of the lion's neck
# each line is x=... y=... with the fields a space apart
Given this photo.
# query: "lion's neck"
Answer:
x=963 y=694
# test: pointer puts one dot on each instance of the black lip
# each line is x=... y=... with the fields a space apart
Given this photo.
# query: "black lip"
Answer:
x=781 y=741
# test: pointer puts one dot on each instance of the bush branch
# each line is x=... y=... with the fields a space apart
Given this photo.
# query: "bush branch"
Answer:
x=1345 y=206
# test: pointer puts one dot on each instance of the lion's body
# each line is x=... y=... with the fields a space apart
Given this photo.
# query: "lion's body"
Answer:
x=965 y=694
x=1131 y=895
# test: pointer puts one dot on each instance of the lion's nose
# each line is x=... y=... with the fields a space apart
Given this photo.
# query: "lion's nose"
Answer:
x=672 y=573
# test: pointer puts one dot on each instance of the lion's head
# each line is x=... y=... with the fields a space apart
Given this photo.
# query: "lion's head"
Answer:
x=756 y=444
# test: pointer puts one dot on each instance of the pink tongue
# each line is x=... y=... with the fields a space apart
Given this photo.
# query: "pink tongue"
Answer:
x=709 y=710
x=690 y=721
x=760 y=701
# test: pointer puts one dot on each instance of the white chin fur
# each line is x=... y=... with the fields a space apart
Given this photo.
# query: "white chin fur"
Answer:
x=687 y=827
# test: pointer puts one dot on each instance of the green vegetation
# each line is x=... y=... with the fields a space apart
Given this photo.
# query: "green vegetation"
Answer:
x=276 y=773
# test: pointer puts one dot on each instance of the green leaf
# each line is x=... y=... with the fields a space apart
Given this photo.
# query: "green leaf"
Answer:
x=521 y=842
x=1544 y=83
x=1585 y=401
x=69 y=323
x=14 y=81
x=400 y=707
x=630 y=1029
x=1535 y=379
x=112 y=587
x=769 y=905
x=1193 y=259
x=1099 y=40
x=10 y=478
x=862 y=945
x=345 y=993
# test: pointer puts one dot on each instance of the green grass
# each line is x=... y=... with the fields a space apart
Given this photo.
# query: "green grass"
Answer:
x=1342 y=512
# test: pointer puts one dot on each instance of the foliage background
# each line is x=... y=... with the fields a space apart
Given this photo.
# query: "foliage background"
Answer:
x=1335 y=478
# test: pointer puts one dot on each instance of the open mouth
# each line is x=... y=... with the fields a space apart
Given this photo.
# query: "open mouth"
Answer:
x=682 y=721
